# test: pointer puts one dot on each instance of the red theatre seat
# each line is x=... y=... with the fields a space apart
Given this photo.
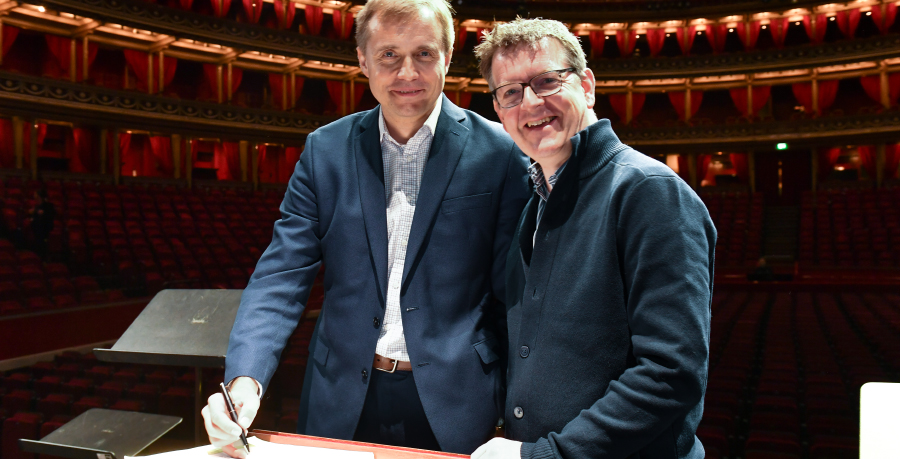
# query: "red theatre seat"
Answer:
x=22 y=425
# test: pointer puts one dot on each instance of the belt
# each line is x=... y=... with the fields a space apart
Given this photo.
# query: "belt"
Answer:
x=390 y=365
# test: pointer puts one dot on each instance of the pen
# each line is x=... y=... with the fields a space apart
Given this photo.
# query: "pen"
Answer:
x=233 y=415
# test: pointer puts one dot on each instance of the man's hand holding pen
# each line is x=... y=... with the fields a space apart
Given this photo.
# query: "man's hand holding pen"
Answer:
x=223 y=432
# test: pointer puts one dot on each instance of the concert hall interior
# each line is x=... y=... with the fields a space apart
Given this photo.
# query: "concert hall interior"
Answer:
x=163 y=134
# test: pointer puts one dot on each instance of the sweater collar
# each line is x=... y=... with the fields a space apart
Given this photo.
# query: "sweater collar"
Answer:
x=594 y=147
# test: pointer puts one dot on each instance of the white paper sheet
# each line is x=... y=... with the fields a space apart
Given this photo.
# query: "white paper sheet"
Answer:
x=260 y=449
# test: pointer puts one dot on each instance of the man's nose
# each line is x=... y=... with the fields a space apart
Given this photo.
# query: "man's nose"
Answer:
x=530 y=98
x=408 y=70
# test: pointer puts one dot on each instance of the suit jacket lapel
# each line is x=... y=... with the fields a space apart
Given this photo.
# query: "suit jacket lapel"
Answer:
x=370 y=170
x=446 y=149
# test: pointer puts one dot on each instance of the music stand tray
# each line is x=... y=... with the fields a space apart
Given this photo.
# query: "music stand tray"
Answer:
x=103 y=434
x=179 y=327
x=188 y=327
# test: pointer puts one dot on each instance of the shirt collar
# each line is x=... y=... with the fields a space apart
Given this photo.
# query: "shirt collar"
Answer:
x=431 y=122
x=540 y=183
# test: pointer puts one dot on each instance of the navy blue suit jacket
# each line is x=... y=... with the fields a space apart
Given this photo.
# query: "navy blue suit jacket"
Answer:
x=334 y=211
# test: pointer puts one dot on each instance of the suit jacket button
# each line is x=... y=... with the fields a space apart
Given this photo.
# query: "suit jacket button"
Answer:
x=376 y=322
x=518 y=412
x=524 y=351
x=365 y=374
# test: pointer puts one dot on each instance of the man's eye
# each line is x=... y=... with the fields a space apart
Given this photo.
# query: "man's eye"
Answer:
x=425 y=53
x=389 y=54
x=547 y=81
x=511 y=91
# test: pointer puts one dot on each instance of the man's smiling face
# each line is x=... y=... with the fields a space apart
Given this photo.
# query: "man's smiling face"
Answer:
x=542 y=126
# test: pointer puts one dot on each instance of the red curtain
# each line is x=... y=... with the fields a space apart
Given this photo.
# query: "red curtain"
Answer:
x=620 y=40
x=335 y=90
x=760 y=97
x=7 y=149
x=749 y=42
x=885 y=21
x=867 y=158
x=891 y=161
x=291 y=156
x=210 y=73
x=677 y=100
x=872 y=85
x=465 y=98
x=253 y=10
x=285 y=10
x=26 y=138
x=343 y=31
x=619 y=104
x=779 y=27
x=803 y=94
x=186 y=4
x=461 y=34
x=9 y=36
x=717 y=33
x=847 y=22
x=827 y=159
x=741 y=166
x=827 y=93
x=162 y=150
x=61 y=49
x=821 y=27
x=656 y=38
x=597 y=39
x=270 y=160
x=691 y=35
x=313 y=15
x=227 y=161
x=138 y=62
x=702 y=167
x=220 y=7
x=80 y=150
x=275 y=84
x=683 y=167
x=358 y=90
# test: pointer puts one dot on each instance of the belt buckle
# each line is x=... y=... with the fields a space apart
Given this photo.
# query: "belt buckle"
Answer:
x=392 y=369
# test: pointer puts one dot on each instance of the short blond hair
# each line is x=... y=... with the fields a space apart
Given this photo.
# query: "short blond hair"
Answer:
x=528 y=32
x=400 y=10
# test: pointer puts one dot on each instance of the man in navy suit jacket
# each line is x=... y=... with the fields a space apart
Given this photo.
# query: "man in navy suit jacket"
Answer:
x=412 y=207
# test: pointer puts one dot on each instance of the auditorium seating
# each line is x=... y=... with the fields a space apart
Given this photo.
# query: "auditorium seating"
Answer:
x=738 y=220
x=850 y=228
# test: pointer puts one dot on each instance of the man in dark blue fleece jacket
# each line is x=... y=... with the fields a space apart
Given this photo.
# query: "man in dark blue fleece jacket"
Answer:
x=609 y=277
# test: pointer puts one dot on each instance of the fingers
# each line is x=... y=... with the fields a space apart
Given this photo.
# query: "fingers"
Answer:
x=236 y=452
x=246 y=400
x=219 y=426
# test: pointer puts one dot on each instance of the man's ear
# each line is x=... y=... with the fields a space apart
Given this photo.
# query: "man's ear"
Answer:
x=361 y=56
x=589 y=84
x=447 y=62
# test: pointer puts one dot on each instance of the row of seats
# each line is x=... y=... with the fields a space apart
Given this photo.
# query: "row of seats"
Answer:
x=27 y=284
x=738 y=221
x=850 y=228
x=786 y=369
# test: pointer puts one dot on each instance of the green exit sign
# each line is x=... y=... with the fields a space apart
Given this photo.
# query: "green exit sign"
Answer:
x=781 y=146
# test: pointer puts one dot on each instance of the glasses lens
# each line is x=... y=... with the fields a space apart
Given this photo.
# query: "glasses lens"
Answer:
x=546 y=84
x=509 y=95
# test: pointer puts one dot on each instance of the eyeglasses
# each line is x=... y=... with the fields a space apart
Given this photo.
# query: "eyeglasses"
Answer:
x=543 y=85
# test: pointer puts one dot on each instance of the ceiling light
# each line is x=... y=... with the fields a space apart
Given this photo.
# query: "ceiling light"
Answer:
x=42 y=9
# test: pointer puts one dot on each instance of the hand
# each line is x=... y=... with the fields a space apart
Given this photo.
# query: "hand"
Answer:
x=499 y=448
x=223 y=432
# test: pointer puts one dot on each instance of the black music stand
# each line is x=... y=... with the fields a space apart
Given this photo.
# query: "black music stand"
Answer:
x=103 y=434
x=182 y=328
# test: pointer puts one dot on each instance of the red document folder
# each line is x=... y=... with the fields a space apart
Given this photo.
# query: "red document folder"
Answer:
x=381 y=451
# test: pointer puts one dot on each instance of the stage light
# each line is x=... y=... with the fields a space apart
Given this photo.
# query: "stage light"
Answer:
x=781 y=146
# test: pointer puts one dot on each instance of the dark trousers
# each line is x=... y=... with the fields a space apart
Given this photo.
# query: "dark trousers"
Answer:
x=393 y=414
